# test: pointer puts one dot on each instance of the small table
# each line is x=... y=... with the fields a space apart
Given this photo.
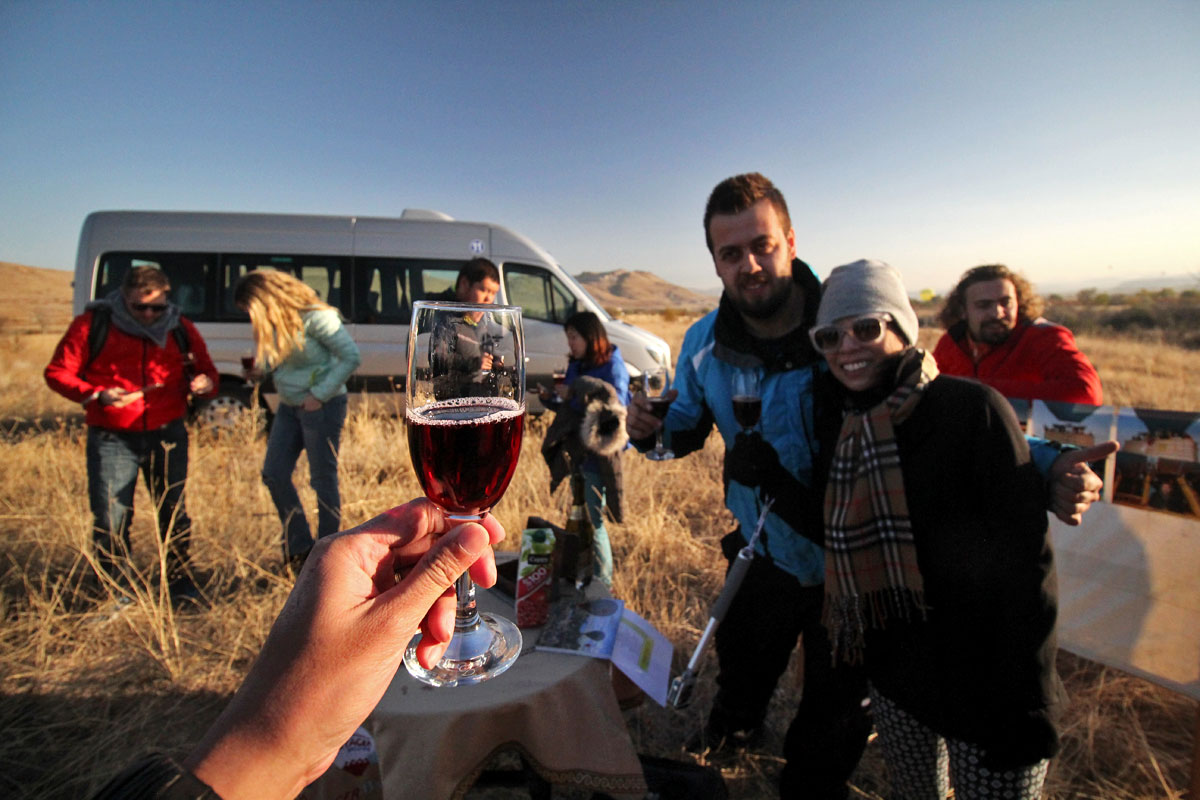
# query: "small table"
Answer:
x=557 y=711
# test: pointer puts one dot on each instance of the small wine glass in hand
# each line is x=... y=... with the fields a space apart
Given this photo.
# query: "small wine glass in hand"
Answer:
x=248 y=367
x=464 y=435
x=747 y=399
x=658 y=383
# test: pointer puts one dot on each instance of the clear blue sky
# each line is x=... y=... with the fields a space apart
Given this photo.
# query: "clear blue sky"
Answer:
x=1062 y=138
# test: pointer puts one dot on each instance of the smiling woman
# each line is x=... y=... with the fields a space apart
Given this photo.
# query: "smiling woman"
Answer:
x=939 y=573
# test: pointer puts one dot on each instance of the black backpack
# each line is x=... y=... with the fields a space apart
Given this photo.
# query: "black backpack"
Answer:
x=98 y=334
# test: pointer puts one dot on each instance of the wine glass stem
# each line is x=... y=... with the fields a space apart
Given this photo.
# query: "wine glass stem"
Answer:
x=466 y=616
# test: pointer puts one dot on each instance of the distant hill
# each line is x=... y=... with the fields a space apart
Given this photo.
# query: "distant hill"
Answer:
x=35 y=299
x=635 y=290
x=1179 y=282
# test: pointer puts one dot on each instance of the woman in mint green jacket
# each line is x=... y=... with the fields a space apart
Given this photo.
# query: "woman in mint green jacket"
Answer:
x=301 y=342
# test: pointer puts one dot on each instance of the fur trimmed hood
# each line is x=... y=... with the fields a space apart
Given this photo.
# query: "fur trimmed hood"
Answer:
x=602 y=429
x=596 y=435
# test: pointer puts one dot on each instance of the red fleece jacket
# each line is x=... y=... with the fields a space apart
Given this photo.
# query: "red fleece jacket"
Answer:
x=1039 y=361
x=128 y=362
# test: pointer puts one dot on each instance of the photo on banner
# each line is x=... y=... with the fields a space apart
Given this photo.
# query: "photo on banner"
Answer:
x=1128 y=595
x=1076 y=424
x=1157 y=467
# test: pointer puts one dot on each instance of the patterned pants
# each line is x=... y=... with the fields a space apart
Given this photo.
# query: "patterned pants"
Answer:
x=920 y=762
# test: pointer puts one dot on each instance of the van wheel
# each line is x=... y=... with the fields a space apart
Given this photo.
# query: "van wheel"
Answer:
x=232 y=407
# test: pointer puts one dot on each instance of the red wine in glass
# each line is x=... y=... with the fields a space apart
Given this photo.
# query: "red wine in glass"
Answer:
x=464 y=427
x=465 y=451
x=247 y=362
x=659 y=406
x=747 y=410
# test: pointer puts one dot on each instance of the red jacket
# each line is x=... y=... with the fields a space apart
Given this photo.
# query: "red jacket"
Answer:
x=1038 y=361
x=128 y=362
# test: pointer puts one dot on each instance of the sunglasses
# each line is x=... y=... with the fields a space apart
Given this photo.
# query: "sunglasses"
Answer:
x=157 y=308
x=868 y=329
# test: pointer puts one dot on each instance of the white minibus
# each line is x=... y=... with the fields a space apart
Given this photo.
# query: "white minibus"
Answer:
x=370 y=268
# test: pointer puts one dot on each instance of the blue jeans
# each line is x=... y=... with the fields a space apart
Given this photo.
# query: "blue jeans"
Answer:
x=594 y=494
x=318 y=433
x=113 y=461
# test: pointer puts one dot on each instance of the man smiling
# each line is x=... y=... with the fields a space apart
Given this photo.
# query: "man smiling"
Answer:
x=768 y=305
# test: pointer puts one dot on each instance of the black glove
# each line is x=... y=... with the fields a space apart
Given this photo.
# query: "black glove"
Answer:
x=752 y=461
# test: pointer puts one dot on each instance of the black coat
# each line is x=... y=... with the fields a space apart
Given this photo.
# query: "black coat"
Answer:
x=981 y=666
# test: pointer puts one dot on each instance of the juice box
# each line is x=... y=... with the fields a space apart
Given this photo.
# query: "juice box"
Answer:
x=534 y=577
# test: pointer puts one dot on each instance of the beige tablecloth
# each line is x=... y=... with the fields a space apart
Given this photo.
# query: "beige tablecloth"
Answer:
x=558 y=711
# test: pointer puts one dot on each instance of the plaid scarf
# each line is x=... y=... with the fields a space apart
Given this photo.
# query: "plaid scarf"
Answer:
x=871 y=568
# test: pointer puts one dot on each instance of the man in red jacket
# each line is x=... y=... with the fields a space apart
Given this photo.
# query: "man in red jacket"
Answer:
x=124 y=360
x=995 y=334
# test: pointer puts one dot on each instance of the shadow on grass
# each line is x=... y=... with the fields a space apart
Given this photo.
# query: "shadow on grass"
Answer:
x=68 y=742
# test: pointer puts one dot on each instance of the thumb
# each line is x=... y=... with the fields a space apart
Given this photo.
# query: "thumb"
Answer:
x=438 y=569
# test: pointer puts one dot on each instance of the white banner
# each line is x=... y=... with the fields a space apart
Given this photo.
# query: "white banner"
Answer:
x=1129 y=593
x=1129 y=576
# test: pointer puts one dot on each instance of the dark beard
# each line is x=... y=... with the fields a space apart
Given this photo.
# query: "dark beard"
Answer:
x=765 y=308
x=993 y=335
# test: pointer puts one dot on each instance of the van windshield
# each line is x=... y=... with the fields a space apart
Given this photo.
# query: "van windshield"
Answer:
x=540 y=294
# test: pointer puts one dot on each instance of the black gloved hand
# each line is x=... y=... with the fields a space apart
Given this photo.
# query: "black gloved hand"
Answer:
x=752 y=461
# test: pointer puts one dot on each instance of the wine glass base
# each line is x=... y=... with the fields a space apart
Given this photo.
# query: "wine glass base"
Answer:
x=660 y=455
x=473 y=656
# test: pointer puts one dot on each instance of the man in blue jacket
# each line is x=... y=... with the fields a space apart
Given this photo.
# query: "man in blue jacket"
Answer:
x=769 y=302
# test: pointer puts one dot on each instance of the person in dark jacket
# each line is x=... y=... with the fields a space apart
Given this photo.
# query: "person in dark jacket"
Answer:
x=939 y=575
x=466 y=343
x=135 y=391
x=591 y=425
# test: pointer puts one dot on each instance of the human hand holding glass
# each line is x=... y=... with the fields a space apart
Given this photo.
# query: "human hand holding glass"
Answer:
x=464 y=437
x=658 y=386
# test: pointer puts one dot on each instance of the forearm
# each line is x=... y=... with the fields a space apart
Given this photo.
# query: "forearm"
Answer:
x=1060 y=389
x=241 y=759
x=346 y=359
x=70 y=386
x=797 y=505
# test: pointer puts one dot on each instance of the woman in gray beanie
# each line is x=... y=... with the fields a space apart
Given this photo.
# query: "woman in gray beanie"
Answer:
x=939 y=577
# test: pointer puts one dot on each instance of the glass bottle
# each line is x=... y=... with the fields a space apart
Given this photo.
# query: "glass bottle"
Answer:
x=578 y=557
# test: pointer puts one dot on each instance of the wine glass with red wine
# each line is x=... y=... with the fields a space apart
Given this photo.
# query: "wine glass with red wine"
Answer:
x=657 y=384
x=747 y=400
x=465 y=414
x=247 y=365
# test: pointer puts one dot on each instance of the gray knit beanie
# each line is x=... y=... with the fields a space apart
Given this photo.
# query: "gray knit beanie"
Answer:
x=867 y=287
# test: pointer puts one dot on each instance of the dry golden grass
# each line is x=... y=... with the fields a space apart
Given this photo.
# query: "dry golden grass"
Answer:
x=36 y=300
x=83 y=691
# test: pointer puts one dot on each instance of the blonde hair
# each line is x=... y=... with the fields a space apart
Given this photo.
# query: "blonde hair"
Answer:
x=276 y=303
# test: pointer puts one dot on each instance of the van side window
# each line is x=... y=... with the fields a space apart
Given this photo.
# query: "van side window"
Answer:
x=540 y=294
x=438 y=282
x=381 y=291
x=327 y=275
x=191 y=276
